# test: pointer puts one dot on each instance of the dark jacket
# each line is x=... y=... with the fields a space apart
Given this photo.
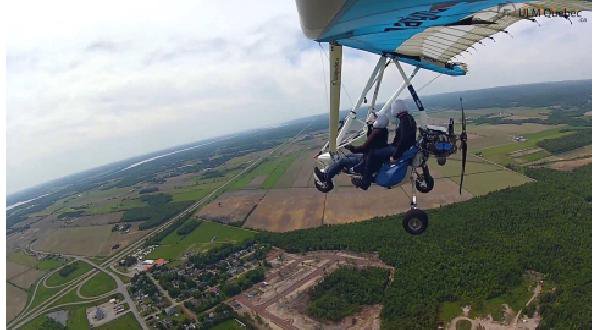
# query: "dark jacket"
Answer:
x=376 y=139
x=406 y=135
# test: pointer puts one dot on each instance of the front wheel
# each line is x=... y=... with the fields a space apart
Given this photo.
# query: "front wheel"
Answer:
x=323 y=187
x=415 y=222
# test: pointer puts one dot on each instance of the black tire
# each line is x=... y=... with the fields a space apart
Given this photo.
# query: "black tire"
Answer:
x=415 y=222
x=425 y=184
x=323 y=187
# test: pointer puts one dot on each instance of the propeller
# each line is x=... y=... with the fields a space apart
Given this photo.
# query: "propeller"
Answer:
x=463 y=145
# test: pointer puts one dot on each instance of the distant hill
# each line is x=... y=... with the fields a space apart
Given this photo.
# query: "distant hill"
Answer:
x=559 y=93
x=556 y=93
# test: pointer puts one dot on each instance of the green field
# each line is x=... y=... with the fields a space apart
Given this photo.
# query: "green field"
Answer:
x=125 y=322
x=271 y=168
x=41 y=295
x=97 y=285
x=57 y=280
x=449 y=310
x=481 y=177
x=228 y=325
x=463 y=325
x=50 y=264
x=199 y=189
x=174 y=245
x=77 y=319
x=500 y=154
x=68 y=298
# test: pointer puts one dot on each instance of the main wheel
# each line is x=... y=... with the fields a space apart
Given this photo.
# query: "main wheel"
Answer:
x=323 y=187
x=415 y=222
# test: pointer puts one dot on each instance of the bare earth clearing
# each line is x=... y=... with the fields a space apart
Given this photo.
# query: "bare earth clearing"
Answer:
x=282 y=301
x=15 y=301
x=232 y=206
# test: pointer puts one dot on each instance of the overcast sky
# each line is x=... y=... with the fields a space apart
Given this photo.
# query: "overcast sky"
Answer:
x=94 y=82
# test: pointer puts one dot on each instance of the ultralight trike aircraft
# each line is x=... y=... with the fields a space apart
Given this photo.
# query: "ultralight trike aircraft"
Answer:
x=426 y=34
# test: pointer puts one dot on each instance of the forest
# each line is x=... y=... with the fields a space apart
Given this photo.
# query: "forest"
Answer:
x=579 y=138
x=478 y=250
x=344 y=291
x=159 y=209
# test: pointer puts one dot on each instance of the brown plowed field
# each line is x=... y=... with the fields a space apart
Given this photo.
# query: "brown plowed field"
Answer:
x=288 y=209
x=231 y=206
x=349 y=204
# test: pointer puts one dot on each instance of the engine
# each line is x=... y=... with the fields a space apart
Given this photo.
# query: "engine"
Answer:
x=438 y=141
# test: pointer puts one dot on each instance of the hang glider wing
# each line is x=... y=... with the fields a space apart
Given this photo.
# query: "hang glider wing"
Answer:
x=425 y=33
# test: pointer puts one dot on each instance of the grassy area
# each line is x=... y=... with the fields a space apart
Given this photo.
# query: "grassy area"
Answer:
x=50 y=264
x=271 y=168
x=126 y=322
x=205 y=236
x=515 y=299
x=19 y=257
x=68 y=298
x=97 y=285
x=463 y=325
x=35 y=324
x=228 y=325
x=283 y=163
x=57 y=280
x=77 y=319
x=500 y=154
x=41 y=295
x=449 y=310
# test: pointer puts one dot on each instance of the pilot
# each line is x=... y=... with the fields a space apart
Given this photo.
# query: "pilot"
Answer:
x=376 y=138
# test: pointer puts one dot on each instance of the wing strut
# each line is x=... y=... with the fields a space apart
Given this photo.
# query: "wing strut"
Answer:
x=388 y=104
x=335 y=79
x=376 y=75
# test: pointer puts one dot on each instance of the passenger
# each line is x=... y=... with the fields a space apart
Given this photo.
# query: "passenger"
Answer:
x=405 y=137
x=376 y=138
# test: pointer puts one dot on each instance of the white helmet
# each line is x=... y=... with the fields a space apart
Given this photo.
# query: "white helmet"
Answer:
x=382 y=121
x=397 y=107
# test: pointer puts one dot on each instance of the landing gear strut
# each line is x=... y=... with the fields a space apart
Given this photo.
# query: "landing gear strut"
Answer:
x=415 y=221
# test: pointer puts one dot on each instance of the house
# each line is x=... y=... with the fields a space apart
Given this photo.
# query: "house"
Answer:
x=99 y=315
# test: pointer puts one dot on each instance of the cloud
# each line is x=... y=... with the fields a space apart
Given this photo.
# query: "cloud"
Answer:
x=87 y=84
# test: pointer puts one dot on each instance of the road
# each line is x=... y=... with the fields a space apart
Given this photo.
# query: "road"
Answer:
x=28 y=315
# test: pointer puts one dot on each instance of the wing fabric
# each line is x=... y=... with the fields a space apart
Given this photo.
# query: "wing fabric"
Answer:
x=425 y=33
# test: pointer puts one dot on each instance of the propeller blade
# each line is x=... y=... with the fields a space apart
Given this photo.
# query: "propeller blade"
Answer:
x=464 y=120
x=463 y=147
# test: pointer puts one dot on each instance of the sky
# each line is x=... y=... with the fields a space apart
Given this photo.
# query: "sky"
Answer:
x=90 y=83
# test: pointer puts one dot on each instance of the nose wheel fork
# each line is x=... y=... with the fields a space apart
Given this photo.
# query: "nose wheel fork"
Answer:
x=415 y=221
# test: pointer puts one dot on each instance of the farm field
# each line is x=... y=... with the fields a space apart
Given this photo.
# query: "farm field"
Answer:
x=88 y=241
x=501 y=153
x=231 y=207
x=481 y=177
x=266 y=174
x=288 y=209
x=205 y=236
x=16 y=298
x=97 y=285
